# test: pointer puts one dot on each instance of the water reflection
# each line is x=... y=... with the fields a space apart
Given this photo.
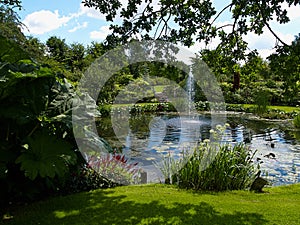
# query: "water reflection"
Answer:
x=151 y=136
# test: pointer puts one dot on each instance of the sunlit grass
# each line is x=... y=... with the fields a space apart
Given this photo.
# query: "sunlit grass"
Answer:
x=275 y=107
x=162 y=204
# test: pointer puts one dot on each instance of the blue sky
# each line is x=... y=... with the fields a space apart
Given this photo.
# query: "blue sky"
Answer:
x=70 y=20
x=67 y=19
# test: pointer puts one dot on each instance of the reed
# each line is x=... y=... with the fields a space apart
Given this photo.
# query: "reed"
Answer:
x=231 y=169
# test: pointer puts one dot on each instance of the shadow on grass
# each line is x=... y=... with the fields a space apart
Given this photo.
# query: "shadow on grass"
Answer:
x=101 y=208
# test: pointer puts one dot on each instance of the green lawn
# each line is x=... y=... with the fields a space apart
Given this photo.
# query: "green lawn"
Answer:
x=162 y=204
x=283 y=108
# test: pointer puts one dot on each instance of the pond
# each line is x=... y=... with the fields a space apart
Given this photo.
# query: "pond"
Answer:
x=147 y=138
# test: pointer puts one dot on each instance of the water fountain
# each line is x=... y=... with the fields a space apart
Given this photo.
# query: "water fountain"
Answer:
x=190 y=91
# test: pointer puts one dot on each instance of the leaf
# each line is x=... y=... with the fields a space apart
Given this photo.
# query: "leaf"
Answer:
x=11 y=51
x=46 y=156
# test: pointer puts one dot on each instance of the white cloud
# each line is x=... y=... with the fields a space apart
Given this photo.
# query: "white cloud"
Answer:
x=264 y=43
x=79 y=26
x=93 y=13
x=267 y=39
x=292 y=11
x=90 y=12
x=101 y=33
x=264 y=53
x=44 y=21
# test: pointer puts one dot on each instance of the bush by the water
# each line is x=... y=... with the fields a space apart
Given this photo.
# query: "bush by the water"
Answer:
x=217 y=167
x=232 y=169
x=297 y=121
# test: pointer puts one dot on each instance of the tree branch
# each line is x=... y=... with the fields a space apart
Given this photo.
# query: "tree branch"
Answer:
x=226 y=25
x=231 y=4
x=268 y=25
x=275 y=35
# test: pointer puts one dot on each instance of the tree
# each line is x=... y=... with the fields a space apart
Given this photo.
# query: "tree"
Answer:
x=76 y=55
x=10 y=25
x=221 y=64
x=255 y=68
x=285 y=63
x=95 y=50
x=186 y=21
x=11 y=3
x=35 y=47
x=57 y=48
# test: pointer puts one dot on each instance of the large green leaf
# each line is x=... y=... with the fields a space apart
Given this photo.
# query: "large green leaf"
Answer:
x=46 y=156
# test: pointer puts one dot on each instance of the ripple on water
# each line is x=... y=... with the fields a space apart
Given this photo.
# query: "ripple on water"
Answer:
x=169 y=134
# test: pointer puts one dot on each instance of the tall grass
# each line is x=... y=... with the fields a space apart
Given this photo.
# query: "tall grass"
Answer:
x=212 y=166
x=231 y=169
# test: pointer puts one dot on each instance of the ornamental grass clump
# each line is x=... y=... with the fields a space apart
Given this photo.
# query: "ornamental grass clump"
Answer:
x=213 y=165
x=231 y=169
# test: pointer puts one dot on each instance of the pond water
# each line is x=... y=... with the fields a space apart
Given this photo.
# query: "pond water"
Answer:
x=147 y=138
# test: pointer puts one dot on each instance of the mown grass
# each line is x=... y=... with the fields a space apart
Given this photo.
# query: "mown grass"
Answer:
x=286 y=109
x=275 y=107
x=163 y=204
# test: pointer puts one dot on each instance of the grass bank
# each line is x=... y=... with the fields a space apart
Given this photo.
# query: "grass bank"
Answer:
x=162 y=204
x=286 y=109
x=275 y=112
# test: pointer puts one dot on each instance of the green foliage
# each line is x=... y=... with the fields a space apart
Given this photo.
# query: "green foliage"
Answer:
x=57 y=48
x=37 y=147
x=285 y=64
x=85 y=179
x=10 y=24
x=95 y=50
x=211 y=165
x=221 y=64
x=182 y=21
x=11 y=52
x=262 y=101
x=45 y=156
x=115 y=168
x=255 y=69
x=139 y=108
x=37 y=143
x=232 y=168
x=296 y=121
x=11 y=3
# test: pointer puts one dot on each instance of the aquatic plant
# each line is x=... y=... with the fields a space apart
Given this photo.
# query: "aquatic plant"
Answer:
x=232 y=168
x=212 y=165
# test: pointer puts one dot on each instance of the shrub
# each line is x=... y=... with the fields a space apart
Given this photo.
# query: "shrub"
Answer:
x=262 y=100
x=104 y=109
x=296 y=121
x=37 y=146
x=85 y=178
x=115 y=168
